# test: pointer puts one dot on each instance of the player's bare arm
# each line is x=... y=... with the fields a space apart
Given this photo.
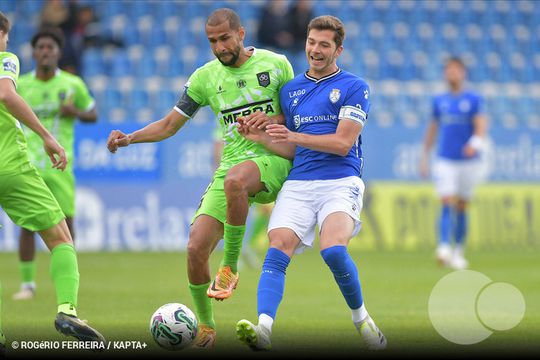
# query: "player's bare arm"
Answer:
x=21 y=111
x=429 y=140
x=154 y=132
x=339 y=143
x=477 y=140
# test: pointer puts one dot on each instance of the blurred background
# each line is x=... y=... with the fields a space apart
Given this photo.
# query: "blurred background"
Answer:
x=136 y=56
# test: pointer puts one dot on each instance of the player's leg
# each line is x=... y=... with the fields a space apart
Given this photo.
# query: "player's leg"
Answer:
x=27 y=265
x=205 y=233
x=446 y=184
x=258 y=180
x=270 y=290
x=340 y=206
x=291 y=228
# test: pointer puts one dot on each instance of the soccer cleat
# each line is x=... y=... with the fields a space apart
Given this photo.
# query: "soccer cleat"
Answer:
x=25 y=293
x=458 y=262
x=372 y=336
x=73 y=326
x=206 y=337
x=253 y=336
x=224 y=284
x=444 y=254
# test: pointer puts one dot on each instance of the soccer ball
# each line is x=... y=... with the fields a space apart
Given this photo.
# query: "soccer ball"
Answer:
x=173 y=326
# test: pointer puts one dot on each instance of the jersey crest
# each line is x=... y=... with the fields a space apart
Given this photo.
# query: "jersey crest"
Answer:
x=335 y=95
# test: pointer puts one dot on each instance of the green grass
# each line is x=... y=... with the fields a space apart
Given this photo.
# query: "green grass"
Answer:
x=119 y=291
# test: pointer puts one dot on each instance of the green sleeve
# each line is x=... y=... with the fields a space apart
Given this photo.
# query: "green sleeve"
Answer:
x=83 y=100
x=9 y=67
x=195 y=87
x=287 y=72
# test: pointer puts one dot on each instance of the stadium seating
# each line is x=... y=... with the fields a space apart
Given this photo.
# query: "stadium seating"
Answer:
x=387 y=41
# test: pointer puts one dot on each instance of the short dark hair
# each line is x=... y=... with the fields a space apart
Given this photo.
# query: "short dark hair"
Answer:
x=221 y=15
x=54 y=33
x=329 y=22
x=5 y=25
x=455 y=60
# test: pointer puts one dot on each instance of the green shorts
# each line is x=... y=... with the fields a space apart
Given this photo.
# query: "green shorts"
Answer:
x=62 y=186
x=28 y=201
x=274 y=170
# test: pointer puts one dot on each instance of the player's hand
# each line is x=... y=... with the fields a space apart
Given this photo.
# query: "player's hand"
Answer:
x=249 y=132
x=56 y=153
x=279 y=133
x=117 y=139
x=258 y=120
x=69 y=110
x=469 y=151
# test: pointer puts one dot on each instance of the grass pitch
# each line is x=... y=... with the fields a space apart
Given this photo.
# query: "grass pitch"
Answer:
x=119 y=292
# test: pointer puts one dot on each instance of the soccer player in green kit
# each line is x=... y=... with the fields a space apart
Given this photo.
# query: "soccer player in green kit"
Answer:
x=58 y=98
x=26 y=199
x=240 y=81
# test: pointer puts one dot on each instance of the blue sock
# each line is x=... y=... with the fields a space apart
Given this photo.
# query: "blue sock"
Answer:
x=445 y=224
x=345 y=273
x=272 y=282
x=461 y=227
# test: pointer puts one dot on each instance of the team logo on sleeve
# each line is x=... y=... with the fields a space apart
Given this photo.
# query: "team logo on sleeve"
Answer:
x=335 y=95
x=263 y=78
x=9 y=65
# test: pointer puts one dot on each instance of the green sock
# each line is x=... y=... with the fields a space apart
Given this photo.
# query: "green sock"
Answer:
x=65 y=276
x=203 y=304
x=232 y=240
x=28 y=271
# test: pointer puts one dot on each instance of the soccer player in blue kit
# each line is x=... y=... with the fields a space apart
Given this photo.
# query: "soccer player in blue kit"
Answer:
x=458 y=117
x=325 y=110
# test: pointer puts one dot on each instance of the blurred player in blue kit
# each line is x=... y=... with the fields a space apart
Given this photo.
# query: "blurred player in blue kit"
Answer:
x=325 y=110
x=459 y=121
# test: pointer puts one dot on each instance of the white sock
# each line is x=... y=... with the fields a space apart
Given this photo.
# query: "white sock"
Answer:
x=360 y=314
x=265 y=321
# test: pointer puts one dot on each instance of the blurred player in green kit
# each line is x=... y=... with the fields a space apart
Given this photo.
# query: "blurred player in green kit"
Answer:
x=28 y=201
x=58 y=98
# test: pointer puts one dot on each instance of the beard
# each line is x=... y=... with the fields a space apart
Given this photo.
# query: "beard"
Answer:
x=234 y=57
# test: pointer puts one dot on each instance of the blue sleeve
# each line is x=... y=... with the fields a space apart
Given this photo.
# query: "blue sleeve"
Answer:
x=479 y=108
x=359 y=96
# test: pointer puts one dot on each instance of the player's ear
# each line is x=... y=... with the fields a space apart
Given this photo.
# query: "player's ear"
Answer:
x=339 y=50
x=241 y=33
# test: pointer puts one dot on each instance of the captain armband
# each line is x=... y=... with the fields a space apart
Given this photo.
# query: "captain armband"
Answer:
x=353 y=113
x=187 y=106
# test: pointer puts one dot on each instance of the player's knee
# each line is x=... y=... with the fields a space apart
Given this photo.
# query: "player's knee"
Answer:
x=196 y=247
x=234 y=183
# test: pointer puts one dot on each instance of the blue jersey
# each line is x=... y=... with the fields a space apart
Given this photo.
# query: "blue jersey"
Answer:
x=315 y=106
x=455 y=115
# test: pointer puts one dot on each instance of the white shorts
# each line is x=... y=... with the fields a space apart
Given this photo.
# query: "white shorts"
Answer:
x=457 y=177
x=303 y=204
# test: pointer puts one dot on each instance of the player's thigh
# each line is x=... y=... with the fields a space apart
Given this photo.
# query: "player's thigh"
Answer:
x=246 y=174
x=213 y=202
x=470 y=175
x=274 y=171
x=295 y=210
x=445 y=177
x=340 y=204
x=62 y=186
x=28 y=201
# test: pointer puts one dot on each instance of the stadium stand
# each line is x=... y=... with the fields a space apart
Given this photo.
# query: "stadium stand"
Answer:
x=393 y=44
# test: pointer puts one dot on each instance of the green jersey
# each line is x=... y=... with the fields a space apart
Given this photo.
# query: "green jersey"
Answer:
x=233 y=92
x=13 y=149
x=45 y=98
